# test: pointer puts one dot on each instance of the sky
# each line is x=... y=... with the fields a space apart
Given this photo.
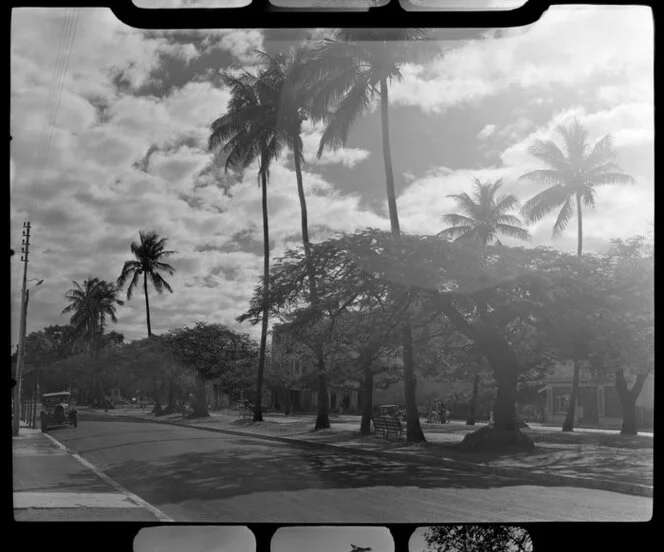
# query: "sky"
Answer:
x=127 y=150
x=331 y=539
x=197 y=538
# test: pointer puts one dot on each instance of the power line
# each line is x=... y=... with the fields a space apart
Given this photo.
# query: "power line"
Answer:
x=73 y=21
x=39 y=150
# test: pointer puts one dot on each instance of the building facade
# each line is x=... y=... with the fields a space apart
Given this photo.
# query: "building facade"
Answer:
x=598 y=404
x=294 y=388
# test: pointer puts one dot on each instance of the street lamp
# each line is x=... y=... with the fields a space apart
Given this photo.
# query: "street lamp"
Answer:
x=21 y=356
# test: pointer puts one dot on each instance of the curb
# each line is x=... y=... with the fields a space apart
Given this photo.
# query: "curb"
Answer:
x=601 y=484
x=158 y=514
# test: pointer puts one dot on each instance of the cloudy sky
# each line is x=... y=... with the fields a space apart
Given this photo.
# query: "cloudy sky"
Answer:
x=127 y=150
x=331 y=539
x=197 y=538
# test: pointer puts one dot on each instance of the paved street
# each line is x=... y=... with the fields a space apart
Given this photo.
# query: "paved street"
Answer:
x=194 y=475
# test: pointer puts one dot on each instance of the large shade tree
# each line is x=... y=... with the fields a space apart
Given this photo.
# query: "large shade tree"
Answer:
x=484 y=216
x=572 y=171
x=356 y=67
x=245 y=133
x=150 y=254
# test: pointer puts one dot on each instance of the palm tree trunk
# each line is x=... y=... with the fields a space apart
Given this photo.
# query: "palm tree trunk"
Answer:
x=147 y=302
x=568 y=424
x=322 y=417
x=473 y=400
x=258 y=411
x=579 y=218
x=414 y=431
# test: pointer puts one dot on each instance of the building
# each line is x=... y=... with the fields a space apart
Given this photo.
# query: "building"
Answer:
x=598 y=404
x=293 y=373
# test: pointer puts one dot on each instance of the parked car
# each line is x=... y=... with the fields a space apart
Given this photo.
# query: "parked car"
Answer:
x=57 y=410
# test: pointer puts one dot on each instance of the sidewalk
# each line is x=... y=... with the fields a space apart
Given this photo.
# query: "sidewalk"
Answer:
x=595 y=459
x=53 y=484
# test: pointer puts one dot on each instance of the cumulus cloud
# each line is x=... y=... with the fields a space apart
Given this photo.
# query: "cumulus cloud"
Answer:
x=561 y=48
x=486 y=131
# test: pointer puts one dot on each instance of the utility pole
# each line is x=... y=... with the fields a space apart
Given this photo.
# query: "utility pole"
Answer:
x=25 y=250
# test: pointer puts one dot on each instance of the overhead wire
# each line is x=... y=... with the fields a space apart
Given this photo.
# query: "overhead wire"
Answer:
x=71 y=28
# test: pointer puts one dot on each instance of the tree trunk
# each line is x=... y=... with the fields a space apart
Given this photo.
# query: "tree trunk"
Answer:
x=147 y=302
x=215 y=403
x=170 y=406
x=579 y=219
x=157 y=410
x=367 y=402
x=473 y=400
x=287 y=405
x=200 y=402
x=628 y=401
x=568 y=424
x=258 y=408
x=505 y=433
x=414 y=431
x=323 y=409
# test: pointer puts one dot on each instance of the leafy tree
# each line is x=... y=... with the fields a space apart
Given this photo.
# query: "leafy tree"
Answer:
x=573 y=172
x=245 y=133
x=355 y=66
x=210 y=351
x=485 y=216
x=150 y=254
x=343 y=290
x=477 y=538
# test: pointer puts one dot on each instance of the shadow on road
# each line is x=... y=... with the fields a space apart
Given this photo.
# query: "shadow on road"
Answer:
x=250 y=467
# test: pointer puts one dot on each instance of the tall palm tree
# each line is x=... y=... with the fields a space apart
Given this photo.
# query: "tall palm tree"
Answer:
x=285 y=76
x=484 y=216
x=355 y=67
x=573 y=171
x=150 y=254
x=245 y=133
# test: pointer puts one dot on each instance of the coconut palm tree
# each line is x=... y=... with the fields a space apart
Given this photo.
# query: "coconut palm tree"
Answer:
x=248 y=132
x=355 y=68
x=572 y=173
x=485 y=216
x=150 y=254
x=286 y=76
x=90 y=304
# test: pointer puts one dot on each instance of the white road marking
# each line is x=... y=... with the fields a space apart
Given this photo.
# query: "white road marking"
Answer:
x=131 y=496
x=27 y=499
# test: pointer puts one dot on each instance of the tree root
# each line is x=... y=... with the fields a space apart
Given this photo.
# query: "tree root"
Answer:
x=490 y=439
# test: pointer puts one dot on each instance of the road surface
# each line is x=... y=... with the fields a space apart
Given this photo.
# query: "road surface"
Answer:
x=202 y=476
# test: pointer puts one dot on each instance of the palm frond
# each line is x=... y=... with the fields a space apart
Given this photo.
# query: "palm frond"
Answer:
x=543 y=203
x=564 y=216
x=610 y=178
x=544 y=176
x=513 y=231
x=550 y=154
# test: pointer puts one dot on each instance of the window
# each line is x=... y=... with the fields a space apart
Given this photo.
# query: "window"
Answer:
x=561 y=397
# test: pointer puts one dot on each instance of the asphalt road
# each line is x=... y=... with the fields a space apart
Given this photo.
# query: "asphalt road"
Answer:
x=201 y=476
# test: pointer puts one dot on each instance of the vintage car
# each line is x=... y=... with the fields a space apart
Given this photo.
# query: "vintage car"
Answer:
x=57 y=410
x=392 y=410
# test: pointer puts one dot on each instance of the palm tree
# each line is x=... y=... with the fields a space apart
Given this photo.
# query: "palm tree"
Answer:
x=149 y=255
x=286 y=77
x=573 y=171
x=484 y=216
x=90 y=304
x=247 y=132
x=354 y=68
